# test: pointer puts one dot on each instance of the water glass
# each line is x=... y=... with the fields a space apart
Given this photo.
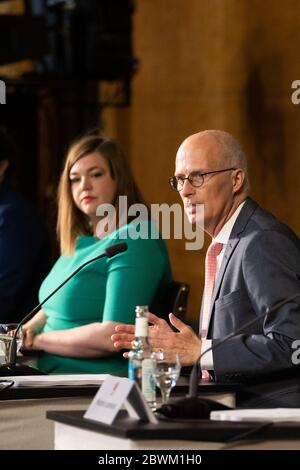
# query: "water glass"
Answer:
x=6 y=336
x=166 y=372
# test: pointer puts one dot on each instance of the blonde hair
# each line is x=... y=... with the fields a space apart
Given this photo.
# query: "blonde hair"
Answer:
x=71 y=222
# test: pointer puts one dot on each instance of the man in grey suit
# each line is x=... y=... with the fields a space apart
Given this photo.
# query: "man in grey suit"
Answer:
x=257 y=266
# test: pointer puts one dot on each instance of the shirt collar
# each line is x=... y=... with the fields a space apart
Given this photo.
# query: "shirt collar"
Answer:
x=224 y=234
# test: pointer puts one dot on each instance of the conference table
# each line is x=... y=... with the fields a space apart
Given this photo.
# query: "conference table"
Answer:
x=23 y=422
x=73 y=431
x=52 y=418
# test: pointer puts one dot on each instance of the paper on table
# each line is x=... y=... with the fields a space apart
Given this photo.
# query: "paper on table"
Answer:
x=63 y=380
x=267 y=414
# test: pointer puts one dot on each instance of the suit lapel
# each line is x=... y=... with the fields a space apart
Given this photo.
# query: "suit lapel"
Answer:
x=235 y=236
x=230 y=247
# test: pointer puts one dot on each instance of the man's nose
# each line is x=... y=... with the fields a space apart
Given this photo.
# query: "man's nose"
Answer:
x=187 y=188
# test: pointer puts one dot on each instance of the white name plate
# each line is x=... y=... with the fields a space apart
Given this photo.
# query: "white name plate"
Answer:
x=113 y=394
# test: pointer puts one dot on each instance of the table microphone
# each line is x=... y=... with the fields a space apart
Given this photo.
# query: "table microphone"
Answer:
x=193 y=407
x=12 y=368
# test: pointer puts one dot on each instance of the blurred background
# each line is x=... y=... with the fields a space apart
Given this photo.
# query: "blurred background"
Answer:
x=149 y=73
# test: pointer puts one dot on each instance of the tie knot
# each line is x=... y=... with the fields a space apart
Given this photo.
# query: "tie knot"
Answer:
x=214 y=249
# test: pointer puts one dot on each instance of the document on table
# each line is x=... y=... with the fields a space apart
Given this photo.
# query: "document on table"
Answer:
x=268 y=414
x=59 y=380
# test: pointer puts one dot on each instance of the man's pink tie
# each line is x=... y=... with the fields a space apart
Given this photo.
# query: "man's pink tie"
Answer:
x=213 y=251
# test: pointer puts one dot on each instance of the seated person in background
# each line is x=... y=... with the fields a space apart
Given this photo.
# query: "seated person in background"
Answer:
x=253 y=264
x=75 y=325
x=24 y=249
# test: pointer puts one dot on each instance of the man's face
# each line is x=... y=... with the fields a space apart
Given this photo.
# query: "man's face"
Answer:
x=205 y=154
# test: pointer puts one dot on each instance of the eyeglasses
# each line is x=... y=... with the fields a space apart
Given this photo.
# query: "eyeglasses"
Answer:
x=196 y=179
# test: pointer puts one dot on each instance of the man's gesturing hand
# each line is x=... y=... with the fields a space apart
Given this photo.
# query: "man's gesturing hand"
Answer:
x=184 y=340
x=124 y=335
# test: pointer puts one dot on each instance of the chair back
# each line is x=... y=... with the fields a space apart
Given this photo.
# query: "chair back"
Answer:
x=175 y=299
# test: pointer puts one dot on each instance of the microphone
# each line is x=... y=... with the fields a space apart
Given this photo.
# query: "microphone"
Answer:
x=193 y=407
x=18 y=369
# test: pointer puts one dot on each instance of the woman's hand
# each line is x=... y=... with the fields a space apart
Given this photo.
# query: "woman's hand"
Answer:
x=32 y=328
x=28 y=338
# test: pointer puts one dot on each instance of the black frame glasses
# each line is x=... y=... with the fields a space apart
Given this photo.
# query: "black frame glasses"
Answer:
x=196 y=179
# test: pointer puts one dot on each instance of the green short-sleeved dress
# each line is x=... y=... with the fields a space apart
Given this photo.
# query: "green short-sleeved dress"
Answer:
x=106 y=290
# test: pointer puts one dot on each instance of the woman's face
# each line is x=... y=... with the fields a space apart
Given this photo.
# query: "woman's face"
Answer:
x=92 y=184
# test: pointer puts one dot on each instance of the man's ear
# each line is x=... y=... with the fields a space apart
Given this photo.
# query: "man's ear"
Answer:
x=238 y=178
x=3 y=167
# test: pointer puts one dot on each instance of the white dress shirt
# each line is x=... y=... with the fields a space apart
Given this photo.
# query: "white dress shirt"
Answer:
x=223 y=236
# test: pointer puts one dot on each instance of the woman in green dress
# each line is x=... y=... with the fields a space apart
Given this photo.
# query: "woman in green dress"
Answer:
x=74 y=327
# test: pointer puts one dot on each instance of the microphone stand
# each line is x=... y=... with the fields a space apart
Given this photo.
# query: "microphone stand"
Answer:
x=13 y=369
x=194 y=407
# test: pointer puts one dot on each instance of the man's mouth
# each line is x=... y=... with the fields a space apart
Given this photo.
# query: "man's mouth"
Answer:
x=191 y=208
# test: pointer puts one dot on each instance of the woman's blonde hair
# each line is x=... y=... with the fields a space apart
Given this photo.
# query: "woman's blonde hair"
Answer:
x=71 y=222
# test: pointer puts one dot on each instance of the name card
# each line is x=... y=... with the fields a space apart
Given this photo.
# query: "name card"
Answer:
x=114 y=393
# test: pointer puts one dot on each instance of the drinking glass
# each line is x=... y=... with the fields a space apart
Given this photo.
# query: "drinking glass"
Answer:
x=166 y=371
x=6 y=336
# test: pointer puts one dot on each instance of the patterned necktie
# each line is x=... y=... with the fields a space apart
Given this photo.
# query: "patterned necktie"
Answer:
x=213 y=251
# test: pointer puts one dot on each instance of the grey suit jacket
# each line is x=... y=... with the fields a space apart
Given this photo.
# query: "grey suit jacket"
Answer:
x=260 y=267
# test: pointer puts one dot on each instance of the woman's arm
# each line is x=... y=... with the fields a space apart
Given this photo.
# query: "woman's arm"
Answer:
x=133 y=278
x=91 y=340
x=33 y=327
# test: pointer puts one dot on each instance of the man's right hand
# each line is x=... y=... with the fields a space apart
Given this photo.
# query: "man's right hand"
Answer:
x=124 y=335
